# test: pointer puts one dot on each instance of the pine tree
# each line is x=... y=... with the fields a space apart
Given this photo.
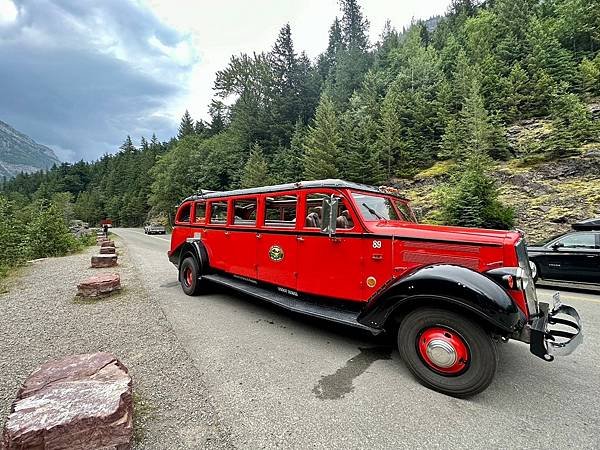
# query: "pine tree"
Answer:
x=127 y=146
x=218 y=113
x=322 y=143
x=256 y=171
x=287 y=164
x=186 y=126
x=144 y=144
x=589 y=72
x=572 y=126
x=200 y=128
x=470 y=198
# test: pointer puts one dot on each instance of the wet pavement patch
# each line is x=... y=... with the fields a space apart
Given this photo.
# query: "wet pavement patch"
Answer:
x=338 y=384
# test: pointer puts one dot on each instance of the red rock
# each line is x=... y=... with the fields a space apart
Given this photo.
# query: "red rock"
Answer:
x=79 y=402
x=107 y=250
x=107 y=243
x=104 y=261
x=99 y=285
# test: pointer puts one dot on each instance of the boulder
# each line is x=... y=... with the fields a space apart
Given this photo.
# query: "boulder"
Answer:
x=99 y=286
x=108 y=243
x=107 y=250
x=78 y=402
x=104 y=261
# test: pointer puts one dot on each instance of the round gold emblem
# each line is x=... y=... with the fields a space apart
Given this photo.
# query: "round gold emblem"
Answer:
x=276 y=253
x=371 y=282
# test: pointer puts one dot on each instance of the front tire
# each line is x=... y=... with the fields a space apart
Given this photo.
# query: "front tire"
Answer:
x=447 y=351
x=189 y=273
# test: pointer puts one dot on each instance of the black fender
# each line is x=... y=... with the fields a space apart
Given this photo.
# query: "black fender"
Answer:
x=192 y=247
x=445 y=285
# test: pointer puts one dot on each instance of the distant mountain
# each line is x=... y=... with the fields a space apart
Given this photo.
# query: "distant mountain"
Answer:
x=20 y=153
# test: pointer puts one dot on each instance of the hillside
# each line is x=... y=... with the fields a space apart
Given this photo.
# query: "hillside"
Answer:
x=20 y=153
x=547 y=197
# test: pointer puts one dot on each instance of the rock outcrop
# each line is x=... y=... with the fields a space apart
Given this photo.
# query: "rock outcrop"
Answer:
x=79 y=402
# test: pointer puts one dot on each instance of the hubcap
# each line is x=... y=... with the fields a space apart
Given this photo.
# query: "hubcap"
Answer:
x=443 y=350
x=188 y=276
x=533 y=269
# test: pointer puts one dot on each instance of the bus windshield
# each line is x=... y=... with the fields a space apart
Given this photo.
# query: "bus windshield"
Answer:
x=375 y=207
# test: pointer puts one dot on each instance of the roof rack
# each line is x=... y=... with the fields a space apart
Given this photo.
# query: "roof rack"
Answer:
x=330 y=183
x=587 y=225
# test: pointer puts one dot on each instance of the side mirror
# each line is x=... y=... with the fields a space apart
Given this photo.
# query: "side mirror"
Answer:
x=557 y=245
x=329 y=209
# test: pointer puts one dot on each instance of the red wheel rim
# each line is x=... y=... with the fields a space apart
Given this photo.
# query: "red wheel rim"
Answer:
x=188 y=277
x=443 y=350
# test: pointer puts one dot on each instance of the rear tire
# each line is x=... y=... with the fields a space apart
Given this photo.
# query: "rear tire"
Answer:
x=189 y=276
x=447 y=351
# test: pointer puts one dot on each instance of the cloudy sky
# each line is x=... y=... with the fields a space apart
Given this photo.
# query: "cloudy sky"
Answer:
x=79 y=75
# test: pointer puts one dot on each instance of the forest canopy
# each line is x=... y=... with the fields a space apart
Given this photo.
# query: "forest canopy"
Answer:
x=372 y=112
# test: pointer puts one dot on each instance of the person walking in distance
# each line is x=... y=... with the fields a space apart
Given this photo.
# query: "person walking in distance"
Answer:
x=105 y=226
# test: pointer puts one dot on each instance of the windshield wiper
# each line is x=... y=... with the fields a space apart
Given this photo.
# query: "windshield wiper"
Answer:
x=372 y=211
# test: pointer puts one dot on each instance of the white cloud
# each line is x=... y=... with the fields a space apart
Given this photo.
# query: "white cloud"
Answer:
x=8 y=11
x=229 y=27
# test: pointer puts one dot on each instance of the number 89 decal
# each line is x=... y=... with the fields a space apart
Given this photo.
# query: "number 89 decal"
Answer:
x=376 y=244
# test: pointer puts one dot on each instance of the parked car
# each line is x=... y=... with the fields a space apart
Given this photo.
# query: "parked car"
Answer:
x=155 y=228
x=572 y=256
x=354 y=254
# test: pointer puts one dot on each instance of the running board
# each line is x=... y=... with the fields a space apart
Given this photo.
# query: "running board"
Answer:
x=290 y=303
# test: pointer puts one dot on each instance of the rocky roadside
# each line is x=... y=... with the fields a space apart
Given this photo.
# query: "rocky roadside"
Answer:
x=42 y=319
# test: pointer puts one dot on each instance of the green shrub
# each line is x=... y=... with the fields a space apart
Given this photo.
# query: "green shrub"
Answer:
x=470 y=199
x=12 y=234
x=48 y=234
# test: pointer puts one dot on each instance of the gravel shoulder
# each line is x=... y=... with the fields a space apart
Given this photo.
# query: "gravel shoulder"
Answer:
x=41 y=319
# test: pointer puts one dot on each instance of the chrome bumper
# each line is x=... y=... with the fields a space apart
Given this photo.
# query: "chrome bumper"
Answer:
x=552 y=336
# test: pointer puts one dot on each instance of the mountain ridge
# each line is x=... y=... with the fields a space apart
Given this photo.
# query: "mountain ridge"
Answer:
x=20 y=153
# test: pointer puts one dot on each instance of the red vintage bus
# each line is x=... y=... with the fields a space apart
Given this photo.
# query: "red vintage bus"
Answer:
x=354 y=254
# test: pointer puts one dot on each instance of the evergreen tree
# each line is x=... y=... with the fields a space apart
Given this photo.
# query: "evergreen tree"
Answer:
x=186 y=126
x=256 y=171
x=127 y=146
x=144 y=144
x=589 y=72
x=218 y=114
x=470 y=199
x=287 y=165
x=322 y=144
x=572 y=126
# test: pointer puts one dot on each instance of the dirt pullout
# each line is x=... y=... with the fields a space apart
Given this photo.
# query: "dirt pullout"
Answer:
x=41 y=319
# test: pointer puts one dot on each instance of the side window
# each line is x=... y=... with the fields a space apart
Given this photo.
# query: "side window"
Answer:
x=280 y=211
x=218 y=212
x=313 y=214
x=183 y=215
x=200 y=212
x=244 y=211
x=579 y=240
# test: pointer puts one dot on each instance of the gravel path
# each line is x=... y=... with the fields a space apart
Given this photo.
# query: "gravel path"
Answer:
x=41 y=319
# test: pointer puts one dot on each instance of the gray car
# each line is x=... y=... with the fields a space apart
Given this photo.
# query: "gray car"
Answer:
x=155 y=228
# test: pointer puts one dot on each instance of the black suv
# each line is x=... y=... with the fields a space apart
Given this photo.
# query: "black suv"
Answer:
x=573 y=256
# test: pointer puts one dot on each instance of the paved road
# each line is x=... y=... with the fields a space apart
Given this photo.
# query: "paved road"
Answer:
x=281 y=380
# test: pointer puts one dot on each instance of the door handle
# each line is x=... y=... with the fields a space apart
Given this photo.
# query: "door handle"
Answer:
x=300 y=238
x=227 y=233
x=258 y=235
x=336 y=239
